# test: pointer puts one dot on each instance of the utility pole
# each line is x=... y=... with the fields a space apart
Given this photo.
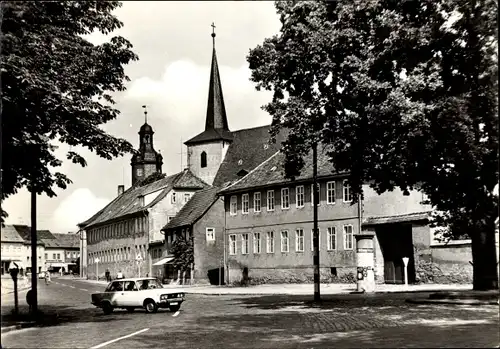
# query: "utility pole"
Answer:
x=34 y=273
x=317 y=295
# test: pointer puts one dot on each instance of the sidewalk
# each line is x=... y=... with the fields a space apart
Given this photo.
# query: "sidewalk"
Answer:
x=304 y=289
x=7 y=285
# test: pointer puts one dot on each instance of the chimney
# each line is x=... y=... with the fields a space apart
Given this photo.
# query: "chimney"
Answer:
x=121 y=189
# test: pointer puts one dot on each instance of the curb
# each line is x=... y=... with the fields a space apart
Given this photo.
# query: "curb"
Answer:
x=18 y=290
x=11 y=328
x=453 y=301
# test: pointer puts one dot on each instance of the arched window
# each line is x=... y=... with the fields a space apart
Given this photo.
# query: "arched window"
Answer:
x=203 y=159
x=146 y=139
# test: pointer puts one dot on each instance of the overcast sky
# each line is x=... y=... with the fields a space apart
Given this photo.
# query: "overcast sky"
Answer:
x=171 y=76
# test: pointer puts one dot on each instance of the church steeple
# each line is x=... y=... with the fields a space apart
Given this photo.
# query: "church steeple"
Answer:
x=216 y=111
x=147 y=160
x=207 y=150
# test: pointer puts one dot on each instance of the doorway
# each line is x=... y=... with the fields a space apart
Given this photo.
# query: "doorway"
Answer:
x=396 y=242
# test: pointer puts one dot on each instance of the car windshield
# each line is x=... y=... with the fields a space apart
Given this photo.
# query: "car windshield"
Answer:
x=148 y=284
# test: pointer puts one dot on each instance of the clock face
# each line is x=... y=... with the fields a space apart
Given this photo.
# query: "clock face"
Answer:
x=139 y=172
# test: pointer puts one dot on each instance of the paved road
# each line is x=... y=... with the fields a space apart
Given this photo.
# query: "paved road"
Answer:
x=255 y=322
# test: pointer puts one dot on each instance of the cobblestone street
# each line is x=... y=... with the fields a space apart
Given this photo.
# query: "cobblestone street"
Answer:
x=277 y=321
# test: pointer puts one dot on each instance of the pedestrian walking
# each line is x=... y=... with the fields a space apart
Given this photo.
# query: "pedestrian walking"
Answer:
x=47 y=278
x=108 y=275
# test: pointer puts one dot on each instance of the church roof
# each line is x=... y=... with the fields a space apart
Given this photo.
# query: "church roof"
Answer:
x=146 y=128
x=194 y=209
x=131 y=202
x=271 y=172
x=250 y=147
x=216 y=126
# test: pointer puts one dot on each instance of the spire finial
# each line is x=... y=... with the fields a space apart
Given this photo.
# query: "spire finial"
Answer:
x=213 y=33
x=145 y=114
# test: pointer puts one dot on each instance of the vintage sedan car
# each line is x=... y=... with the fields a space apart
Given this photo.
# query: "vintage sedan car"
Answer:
x=134 y=293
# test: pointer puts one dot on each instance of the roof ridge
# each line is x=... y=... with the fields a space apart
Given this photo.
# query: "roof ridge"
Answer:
x=249 y=173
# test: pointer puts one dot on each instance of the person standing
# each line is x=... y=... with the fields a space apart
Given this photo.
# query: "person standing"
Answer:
x=108 y=275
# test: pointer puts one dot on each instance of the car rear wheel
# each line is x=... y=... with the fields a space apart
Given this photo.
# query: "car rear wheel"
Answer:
x=107 y=308
x=130 y=309
x=174 y=308
x=150 y=306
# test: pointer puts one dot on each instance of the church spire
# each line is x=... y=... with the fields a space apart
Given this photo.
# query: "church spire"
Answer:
x=216 y=111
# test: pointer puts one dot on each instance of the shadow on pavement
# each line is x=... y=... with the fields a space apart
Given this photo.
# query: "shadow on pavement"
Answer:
x=57 y=315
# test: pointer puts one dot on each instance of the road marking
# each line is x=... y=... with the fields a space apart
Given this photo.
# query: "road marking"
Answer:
x=176 y=313
x=83 y=289
x=117 y=339
x=71 y=286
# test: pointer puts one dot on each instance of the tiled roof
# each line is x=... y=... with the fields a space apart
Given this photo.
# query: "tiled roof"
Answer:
x=249 y=148
x=63 y=241
x=410 y=217
x=271 y=172
x=10 y=234
x=25 y=232
x=130 y=203
x=194 y=208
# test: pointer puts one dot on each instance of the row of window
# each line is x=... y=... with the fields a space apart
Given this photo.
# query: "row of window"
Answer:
x=331 y=236
x=285 y=198
x=156 y=253
x=116 y=230
x=117 y=254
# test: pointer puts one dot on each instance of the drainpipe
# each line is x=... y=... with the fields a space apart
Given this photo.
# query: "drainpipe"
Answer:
x=224 y=263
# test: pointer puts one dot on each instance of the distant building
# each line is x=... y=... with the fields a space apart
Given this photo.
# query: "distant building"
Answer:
x=125 y=234
x=54 y=251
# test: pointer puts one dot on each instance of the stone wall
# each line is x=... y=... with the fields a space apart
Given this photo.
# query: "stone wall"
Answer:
x=255 y=276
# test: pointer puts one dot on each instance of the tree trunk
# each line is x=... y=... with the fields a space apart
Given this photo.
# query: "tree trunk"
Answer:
x=184 y=276
x=178 y=276
x=484 y=259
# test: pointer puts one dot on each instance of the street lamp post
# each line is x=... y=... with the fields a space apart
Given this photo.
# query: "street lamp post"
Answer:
x=34 y=274
x=317 y=294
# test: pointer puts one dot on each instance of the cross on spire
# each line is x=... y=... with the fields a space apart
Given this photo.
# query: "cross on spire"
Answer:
x=213 y=33
x=145 y=114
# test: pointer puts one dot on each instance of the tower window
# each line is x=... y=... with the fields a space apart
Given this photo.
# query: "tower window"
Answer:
x=146 y=139
x=203 y=159
x=139 y=172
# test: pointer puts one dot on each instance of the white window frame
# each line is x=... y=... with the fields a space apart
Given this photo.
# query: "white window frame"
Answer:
x=210 y=234
x=233 y=201
x=332 y=232
x=299 y=239
x=346 y=185
x=312 y=194
x=270 y=200
x=257 y=199
x=285 y=239
x=312 y=239
x=351 y=234
x=245 y=243
x=299 y=194
x=245 y=203
x=330 y=191
x=257 y=245
x=283 y=190
x=232 y=244
x=270 y=242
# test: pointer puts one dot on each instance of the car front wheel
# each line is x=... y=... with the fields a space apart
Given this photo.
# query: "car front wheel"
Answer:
x=107 y=308
x=150 y=306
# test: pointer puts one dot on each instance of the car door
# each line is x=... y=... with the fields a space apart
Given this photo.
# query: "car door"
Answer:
x=115 y=293
x=130 y=296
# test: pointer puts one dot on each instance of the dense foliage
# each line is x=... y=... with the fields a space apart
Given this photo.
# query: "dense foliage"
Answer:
x=402 y=94
x=56 y=86
x=183 y=251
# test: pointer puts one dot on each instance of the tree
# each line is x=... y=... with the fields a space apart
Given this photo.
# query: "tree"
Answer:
x=56 y=86
x=183 y=251
x=402 y=94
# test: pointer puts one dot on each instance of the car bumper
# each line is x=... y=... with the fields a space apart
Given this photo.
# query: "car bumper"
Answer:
x=171 y=301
